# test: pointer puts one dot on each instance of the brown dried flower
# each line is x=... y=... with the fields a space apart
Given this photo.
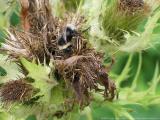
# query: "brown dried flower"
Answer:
x=16 y=91
x=84 y=73
x=131 y=6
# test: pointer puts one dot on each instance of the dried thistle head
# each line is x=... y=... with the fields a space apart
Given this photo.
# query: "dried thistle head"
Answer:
x=16 y=91
x=131 y=6
x=84 y=73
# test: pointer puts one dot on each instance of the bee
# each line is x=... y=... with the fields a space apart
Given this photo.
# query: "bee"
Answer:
x=65 y=40
x=131 y=5
x=65 y=44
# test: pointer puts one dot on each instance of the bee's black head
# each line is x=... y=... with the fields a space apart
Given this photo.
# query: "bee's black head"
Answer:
x=69 y=33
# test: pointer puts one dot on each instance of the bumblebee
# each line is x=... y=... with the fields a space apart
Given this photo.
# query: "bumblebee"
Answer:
x=65 y=40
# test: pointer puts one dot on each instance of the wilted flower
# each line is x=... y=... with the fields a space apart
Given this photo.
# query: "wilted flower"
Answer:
x=84 y=73
x=131 y=6
x=16 y=91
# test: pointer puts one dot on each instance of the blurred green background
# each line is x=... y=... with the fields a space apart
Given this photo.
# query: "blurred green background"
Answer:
x=9 y=16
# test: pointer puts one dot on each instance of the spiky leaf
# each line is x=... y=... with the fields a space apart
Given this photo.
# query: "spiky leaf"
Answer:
x=41 y=76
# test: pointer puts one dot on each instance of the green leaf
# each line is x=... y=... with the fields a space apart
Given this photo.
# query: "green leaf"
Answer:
x=125 y=71
x=143 y=41
x=9 y=70
x=134 y=83
x=57 y=95
x=3 y=72
x=41 y=74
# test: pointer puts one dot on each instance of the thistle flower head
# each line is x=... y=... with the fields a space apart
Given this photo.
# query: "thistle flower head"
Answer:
x=131 y=6
x=121 y=16
x=16 y=91
x=84 y=73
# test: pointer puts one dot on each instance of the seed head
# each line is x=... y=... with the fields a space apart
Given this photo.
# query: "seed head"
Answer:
x=16 y=91
x=131 y=6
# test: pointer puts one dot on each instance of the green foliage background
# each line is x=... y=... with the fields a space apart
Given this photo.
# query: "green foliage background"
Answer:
x=136 y=72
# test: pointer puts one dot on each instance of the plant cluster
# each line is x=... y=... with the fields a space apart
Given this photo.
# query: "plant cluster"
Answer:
x=53 y=52
x=54 y=64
